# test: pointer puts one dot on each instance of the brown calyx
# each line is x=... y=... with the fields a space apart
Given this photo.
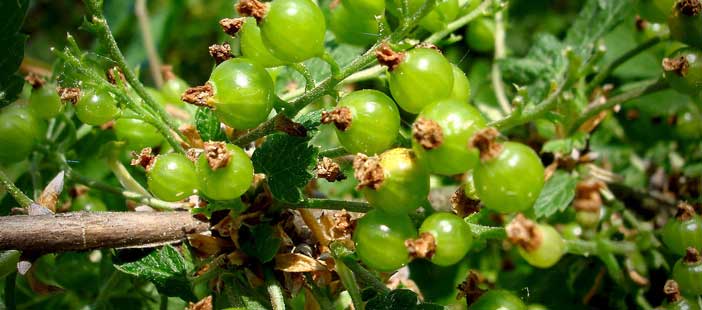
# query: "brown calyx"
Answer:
x=685 y=212
x=217 y=154
x=221 y=52
x=692 y=256
x=340 y=116
x=253 y=8
x=167 y=73
x=34 y=80
x=231 y=26
x=463 y=205
x=422 y=247
x=672 y=291
x=368 y=171
x=192 y=135
x=524 y=233
x=112 y=76
x=199 y=95
x=344 y=224
x=145 y=158
x=329 y=170
x=587 y=196
x=470 y=287
x=689 y=7
x=679 y=65
x=193 y=154
x=388 y=57
x=486 y=142
x=428 y=133
x=641 y=24
x=71 y=94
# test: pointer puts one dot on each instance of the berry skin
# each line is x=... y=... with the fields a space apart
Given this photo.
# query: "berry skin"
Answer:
x=678 y=234
x=422 y=77
x=688 y=274
x=459 y=121
x=689 y=125
x=227 y=182
x=19 y=130
x=656 y=10
x=96 y=107
x=480 y=35
x=243 y=93
x=172 y=177
x=45 y=102
x=512 y=181
x=405 y=184
x=380 y=240
x=252 y=46
x=683 y=71
x=498 y=300
x=375 y=122
x=685 y=22
x=452 y=237
x=365 y=7
x=352 y=28
x=461 y=85
x=550 y=250
x=88 y=203
x=293 y=30
x=172 y=89
x=137 y=133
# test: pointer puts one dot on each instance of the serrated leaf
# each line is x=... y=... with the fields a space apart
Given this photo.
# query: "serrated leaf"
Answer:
x=208 y=125
x=288 y=163
x=556 y=195
x=567 y=145
x=165 y=268
x=596 y=19
x=260 y=242
x=238 y=294
x=11 y=48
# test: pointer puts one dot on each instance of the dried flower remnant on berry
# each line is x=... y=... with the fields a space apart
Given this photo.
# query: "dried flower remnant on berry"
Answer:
x=428 y=133
x=145 y=158
x=231 y=26
x=252 y=8
x=217 y=154
x=199 y=95
x=524 y=233
x=641 y=24
x=344 y=224
x=672 y=291
x=71 y=94
x=422 y=247
x=679 y=65
x=34 y=80
x=340 y=116
x=486 y=142
x=220 y=52
x=203 y=304
x=387 y=57
x=689 y=7
x=692 y=256
x=368 y=171
x=685 y=212
x=463 y=205
x=470 y=287
x=587 y=196
x=329 y=170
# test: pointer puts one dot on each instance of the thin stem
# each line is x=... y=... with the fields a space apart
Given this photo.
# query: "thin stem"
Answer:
x=603 y=74
x=535 y=112
x=365 y=276
x=302 y=69
x=333 y=65
x=496 y=75
x=331 y=204
x=274 y=291
x=588 y=248
x=349 y=281
x=487 y=232
x=154 y=61
x=593 y=110
x=334 y=152
x=16 y=193
x=458 y=23
x=108 y=40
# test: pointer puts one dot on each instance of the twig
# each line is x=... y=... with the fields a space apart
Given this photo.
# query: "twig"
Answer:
x=496 y=74
x=535 y=112
x=80 y=231
x=154 y=61
x=331 y=204
x=333 y=152
x=16 y=193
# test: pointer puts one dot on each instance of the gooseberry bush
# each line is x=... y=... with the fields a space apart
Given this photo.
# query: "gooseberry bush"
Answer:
x=358 y=154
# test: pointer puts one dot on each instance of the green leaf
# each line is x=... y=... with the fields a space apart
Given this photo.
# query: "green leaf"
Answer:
x=238 y=294
x=597 y=18
x=260 y=242
x=544 y=63
x=288 y=163
x=565 y=146
x=399 y=299
x=165 y=268
x=556 y=195
x=208 y=125
x=12 y=14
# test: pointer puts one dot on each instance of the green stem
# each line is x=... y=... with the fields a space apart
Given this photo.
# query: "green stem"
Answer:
x=274 y=291
x=588 y=248
x=496 y=74
x=648 y=88
x=334 y=152
x=16 y=193
x=365 y=276
x=331 y=204
x=10 y=285
x=458 y=23
x=349 y=281
x=302 y=69
x=105 y=35
x=535 y=112
x=333 y=65
x=602 y=75
x=487 y=232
